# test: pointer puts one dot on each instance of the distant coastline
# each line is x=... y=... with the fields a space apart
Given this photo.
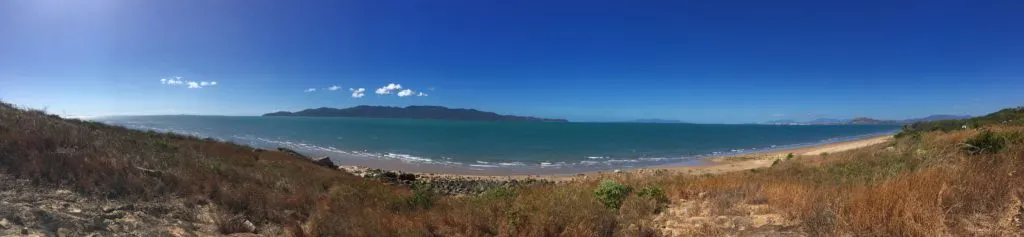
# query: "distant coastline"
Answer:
x=411 y=112
x=867 y=121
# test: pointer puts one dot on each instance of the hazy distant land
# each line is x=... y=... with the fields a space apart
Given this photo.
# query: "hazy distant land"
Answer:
x=412 y=112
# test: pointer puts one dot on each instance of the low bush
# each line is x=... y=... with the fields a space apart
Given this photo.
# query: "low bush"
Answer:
x=612 y=193
x=985 y=142
x=656 y=194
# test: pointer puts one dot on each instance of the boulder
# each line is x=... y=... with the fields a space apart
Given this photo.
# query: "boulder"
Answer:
x=326 y=162
x=238 y=225
x=408 y=177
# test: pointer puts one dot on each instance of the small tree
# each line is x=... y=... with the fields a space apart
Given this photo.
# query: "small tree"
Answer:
x=612 y=193
x=789 y=156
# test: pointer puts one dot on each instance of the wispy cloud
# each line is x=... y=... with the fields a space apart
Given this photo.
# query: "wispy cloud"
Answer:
x=311 y=90
x=421 y=94
x=177 y=81
x=388 y=89
x=333 y=88
x=358 y=93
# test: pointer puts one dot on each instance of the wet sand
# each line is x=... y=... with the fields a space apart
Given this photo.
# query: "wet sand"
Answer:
x=711 y=165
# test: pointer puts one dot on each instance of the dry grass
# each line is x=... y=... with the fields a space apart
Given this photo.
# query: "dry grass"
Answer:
x=924 y=186
x=915 y=186
x=269 y=187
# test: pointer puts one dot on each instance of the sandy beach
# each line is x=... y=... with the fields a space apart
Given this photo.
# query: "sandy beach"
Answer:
x=732 y=163
x=711 y=165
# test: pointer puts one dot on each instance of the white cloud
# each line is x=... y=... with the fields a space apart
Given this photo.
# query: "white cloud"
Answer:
x=311 y=90
x=333 y=88
x=404 y=93
x=388 y=89
x=177 y=81
x=172 y=81
x=392 y=88
x=357 y=93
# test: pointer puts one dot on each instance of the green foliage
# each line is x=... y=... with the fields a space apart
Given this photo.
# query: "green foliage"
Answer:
x=988 y=142
x=422 y=198
x=776 y=162
x=500 y=193
x=1010 y=116
x=612 y=193
x=868 y=170
x=789 y=156
x=657 y=194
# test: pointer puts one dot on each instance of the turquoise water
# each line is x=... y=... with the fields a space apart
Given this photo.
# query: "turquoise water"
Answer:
x=497 y=145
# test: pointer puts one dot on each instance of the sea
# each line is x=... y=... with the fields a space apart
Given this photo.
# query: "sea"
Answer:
x=506 y=148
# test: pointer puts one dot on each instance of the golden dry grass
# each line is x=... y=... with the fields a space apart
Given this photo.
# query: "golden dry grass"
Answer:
x=915 y=186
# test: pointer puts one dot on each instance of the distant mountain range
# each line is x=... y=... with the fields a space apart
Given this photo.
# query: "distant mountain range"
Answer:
x=413 y=112
x=865 y=120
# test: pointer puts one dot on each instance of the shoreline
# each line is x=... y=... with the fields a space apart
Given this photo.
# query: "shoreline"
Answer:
x=707 y=165
x=432 y=165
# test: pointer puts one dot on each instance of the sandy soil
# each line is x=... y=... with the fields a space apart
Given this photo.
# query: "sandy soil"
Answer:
x=731 y=163
x=713 y=165
x=843 y=146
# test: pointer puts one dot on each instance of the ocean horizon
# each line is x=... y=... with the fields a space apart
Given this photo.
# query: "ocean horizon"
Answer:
x=484 y=147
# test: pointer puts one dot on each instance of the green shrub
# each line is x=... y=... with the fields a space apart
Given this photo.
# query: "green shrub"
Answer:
x=985 y=142
x=421 y=198
x=776 y=162
x=612 y=193
x=789 y=156
x=500 y=193
x=655 y=193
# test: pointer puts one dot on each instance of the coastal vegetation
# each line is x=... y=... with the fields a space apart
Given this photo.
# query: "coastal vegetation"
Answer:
x=935 y=178
x=1009 y=116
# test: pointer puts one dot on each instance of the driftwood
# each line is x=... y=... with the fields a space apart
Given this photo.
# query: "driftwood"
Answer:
x=150 y=172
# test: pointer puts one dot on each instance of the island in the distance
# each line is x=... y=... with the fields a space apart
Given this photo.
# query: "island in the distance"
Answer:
x=412 y=112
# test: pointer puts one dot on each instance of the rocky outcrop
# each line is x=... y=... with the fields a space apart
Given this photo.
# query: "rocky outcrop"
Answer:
x=449 y=185
x=326 y=162
x=292 y=152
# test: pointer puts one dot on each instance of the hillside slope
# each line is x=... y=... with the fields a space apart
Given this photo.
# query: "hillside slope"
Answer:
x=77 y=178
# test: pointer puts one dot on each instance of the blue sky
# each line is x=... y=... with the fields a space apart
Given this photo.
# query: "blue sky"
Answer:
x=698 y=61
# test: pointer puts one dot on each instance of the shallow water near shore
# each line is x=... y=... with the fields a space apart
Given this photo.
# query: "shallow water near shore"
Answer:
x=499 y=148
